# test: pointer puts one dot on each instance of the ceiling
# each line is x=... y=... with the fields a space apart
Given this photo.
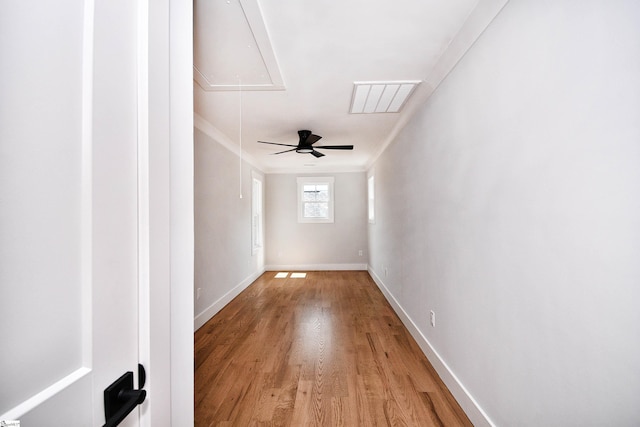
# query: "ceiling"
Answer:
x=264 y=69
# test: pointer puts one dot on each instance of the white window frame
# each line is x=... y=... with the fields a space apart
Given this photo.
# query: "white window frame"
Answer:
x=322 y=180
x=371 y=199
x=257 y=212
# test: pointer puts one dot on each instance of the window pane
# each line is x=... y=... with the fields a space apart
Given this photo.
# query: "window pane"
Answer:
x=315 y=193
x=316 y=210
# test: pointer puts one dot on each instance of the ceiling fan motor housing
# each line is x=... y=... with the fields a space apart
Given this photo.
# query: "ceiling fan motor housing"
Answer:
x=303 y=146
x=304 y=134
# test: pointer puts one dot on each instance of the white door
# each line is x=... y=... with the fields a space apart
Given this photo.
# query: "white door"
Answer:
x=68 y=208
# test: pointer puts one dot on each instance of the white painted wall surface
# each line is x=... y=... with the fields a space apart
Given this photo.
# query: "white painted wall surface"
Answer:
x=510 y=205
x=224 y=264
x=336 y=245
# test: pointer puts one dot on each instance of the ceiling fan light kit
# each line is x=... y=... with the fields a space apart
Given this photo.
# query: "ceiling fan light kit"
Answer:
x=305 y=145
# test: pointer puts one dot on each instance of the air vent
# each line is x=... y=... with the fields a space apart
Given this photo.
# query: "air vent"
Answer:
x=381 y=97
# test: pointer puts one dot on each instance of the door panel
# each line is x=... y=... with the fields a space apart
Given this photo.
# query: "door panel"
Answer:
x=68 y=213
x=41 y=193
x=71 y=405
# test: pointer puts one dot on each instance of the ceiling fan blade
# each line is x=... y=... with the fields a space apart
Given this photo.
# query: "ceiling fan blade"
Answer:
x=305 y=144
x=285 y=151
x=336 y=147
x=275 y=143
x=311 y=139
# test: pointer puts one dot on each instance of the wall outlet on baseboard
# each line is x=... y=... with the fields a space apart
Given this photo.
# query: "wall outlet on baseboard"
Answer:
x=432 y=318
x=386 y=272
x=360 y=252
x=198 y=292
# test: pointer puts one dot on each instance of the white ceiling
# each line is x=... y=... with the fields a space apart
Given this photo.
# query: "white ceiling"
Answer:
x=296 y=62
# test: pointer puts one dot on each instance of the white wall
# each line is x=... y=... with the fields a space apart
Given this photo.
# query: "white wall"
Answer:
x=510 y=205
x=336 y=246
x=224 y=264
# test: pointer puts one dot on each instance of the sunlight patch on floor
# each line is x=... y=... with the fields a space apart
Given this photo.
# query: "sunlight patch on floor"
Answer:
x=298 y=275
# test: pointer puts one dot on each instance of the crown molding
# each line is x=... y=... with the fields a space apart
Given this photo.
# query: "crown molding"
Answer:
x=476 y=23
x=315 y=170
x=216 y=135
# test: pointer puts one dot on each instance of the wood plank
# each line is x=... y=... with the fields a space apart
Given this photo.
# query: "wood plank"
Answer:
x=327 y=350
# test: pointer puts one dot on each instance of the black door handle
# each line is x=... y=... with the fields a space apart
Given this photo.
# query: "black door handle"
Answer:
x=120 y=398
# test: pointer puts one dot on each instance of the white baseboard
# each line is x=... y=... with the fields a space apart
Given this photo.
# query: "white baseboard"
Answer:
x=317 y=267
x=214 y=308
x=475 y=413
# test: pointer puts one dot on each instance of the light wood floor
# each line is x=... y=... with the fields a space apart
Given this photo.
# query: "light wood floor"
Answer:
x=327 y=350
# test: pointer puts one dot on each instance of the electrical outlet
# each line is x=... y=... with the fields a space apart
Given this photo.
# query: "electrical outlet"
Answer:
x=198 y=292
x=432 y=318
x=386 y=272
x=360 y=252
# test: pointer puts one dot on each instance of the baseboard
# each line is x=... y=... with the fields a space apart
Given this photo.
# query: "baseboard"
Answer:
x=475 y=413
x=317 y=267
x=214 y=308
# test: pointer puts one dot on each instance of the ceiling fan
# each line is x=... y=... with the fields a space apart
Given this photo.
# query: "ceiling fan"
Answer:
x=305 y=145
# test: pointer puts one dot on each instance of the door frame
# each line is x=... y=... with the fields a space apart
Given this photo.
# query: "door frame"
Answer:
x=166 y=231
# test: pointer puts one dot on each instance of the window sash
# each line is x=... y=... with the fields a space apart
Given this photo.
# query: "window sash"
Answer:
x=371 y=206
x=315 y=199
x=256 y=215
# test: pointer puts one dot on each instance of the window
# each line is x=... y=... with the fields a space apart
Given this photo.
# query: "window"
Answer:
x=371 y=197
x=315 y=199
x=256 y=214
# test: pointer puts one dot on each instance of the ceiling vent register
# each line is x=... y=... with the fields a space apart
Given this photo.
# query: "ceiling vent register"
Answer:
x=381 y=97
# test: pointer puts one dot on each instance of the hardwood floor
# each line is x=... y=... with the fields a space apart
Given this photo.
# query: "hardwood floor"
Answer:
x=326 y=350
